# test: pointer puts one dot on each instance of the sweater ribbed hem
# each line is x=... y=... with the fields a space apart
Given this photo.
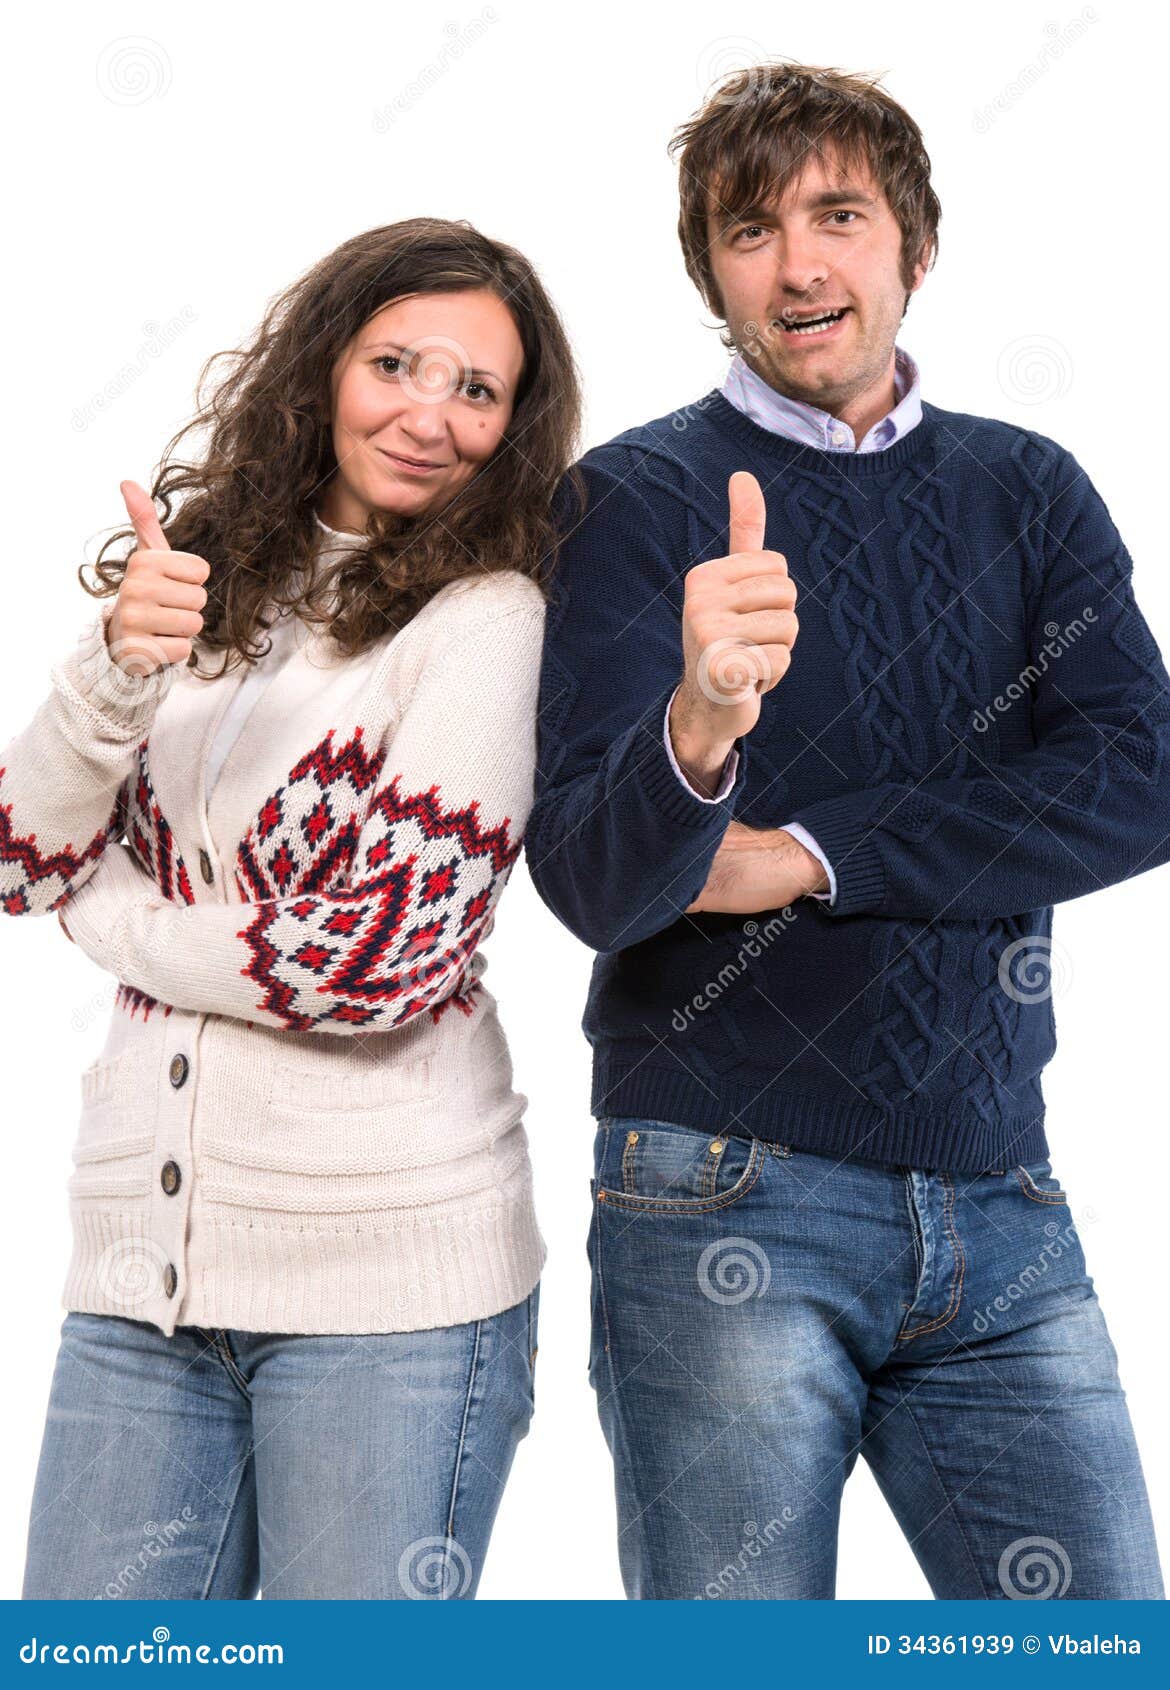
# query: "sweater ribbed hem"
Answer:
x=896 y=1138
x=421 y=1273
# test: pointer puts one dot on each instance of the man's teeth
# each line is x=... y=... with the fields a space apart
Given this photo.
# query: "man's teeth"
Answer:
x=813 y=325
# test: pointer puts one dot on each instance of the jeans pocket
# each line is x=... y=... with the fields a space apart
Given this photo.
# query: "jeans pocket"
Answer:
x=1037 y=1181
x=653 y=1165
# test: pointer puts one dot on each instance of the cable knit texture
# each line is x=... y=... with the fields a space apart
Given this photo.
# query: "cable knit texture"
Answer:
x=975 y=726
x=303 y=1117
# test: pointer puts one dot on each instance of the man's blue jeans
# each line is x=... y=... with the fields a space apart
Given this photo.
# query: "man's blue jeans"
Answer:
x=762 y=1315
x=212 y=1462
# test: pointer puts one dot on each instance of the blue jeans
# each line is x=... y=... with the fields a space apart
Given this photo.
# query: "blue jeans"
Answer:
x=762 y=1315
x=211 y=1463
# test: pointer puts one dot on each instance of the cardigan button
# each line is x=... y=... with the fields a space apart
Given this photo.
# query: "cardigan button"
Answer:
x=205 y=867
x=170 y=1279
x=171 y=1178
x=179 y=1069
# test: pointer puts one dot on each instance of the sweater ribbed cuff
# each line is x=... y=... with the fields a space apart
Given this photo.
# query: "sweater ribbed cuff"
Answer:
x=662 y=784
x=844 y=832
x=96 y=914
x=125 y=703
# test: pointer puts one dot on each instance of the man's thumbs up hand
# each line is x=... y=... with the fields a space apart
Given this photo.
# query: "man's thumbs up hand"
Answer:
x=738 y=629
x=157 y=613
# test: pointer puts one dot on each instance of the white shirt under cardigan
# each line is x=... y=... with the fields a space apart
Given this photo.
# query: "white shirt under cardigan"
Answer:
x=287 y=633
x=302 y=1118
x=796 y=420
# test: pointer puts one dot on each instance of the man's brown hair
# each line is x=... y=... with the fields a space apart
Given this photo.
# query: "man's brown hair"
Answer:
x=759 y=127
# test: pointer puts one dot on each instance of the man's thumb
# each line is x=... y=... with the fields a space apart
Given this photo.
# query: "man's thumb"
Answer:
x=745 y=498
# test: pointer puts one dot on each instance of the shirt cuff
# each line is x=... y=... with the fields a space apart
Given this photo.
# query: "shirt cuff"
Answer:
x=805 y=838
x=730 y=767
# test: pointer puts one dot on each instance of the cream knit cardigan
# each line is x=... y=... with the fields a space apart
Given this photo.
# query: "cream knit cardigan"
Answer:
x=303 y=1118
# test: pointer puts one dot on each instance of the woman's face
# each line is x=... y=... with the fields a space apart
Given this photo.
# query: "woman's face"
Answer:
x=421 y=398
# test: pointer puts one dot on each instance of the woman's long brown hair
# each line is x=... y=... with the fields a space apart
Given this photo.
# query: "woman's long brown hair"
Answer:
x=247 y=501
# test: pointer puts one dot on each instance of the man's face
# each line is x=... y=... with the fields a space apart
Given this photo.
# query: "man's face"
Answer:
x=831 y=243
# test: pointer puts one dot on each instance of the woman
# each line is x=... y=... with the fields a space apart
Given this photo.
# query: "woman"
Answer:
x=302 y=1300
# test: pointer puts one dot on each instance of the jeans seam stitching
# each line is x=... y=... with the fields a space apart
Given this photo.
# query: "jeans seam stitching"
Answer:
x=904 y=1401
x=227 y=1520
x=449 y=1535
x=960 y=1270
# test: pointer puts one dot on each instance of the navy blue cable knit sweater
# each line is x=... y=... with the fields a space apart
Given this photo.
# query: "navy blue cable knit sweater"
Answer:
x=975 y=725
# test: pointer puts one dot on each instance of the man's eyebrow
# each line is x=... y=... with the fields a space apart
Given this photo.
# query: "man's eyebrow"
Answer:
x=393 y=346
x=764 y=213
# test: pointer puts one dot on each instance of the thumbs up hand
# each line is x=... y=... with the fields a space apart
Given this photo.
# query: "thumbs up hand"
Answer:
x=738 y=629
x=157 y=612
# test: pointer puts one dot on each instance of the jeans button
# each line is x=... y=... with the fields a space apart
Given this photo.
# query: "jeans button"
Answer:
x=179 y=1070
x=171 y=1178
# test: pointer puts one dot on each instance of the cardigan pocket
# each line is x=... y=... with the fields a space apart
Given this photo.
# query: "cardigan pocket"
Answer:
x=361 y=1082
x=114 y=1144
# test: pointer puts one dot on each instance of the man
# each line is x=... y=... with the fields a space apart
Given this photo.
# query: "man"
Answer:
x=819 y=873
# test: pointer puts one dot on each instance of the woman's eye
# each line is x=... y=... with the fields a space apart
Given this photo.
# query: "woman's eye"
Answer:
x=479 y=388
x=389 y=358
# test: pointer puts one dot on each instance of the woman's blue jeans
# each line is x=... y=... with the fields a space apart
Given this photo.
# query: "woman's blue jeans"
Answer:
x=763 y=1315
x=215 y=1463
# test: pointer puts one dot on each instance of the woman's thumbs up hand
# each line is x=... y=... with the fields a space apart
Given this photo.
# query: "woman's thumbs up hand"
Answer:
x=157 y=613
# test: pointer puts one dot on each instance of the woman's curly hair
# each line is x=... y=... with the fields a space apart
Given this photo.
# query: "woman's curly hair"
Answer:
x=247 y=503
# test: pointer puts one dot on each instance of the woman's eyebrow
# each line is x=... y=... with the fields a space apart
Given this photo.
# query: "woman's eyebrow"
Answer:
x=409 y=351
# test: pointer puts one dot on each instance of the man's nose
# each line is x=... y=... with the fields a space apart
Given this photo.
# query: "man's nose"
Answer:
x=803 y=269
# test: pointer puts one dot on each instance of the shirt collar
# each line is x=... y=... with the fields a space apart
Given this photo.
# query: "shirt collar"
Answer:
x=811 y=426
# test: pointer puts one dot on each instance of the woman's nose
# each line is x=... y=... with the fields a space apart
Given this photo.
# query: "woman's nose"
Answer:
x=424 y=422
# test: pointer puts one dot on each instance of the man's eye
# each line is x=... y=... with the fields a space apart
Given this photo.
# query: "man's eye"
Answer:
x=752 y=230
x=842 y=214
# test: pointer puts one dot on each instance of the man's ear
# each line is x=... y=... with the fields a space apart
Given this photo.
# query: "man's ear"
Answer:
x=922 y=266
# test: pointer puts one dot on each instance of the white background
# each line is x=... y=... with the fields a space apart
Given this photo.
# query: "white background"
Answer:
x=170 y=211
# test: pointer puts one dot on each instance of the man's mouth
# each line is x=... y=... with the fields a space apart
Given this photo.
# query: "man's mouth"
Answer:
x=812 y=323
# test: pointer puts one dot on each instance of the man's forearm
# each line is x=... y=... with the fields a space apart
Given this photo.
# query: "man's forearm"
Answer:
x=759 y=869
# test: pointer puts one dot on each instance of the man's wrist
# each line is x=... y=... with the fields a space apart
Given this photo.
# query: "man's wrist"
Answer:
x=701 y=759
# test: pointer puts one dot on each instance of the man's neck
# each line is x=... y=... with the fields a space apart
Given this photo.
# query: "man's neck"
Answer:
x=861 y=413
x=868 y=423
